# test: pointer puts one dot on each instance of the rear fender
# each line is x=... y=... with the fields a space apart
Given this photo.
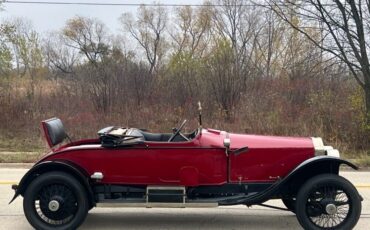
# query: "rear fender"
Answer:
x=47 y=166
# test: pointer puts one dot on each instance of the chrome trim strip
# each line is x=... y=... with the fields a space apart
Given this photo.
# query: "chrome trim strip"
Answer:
x=155 y=205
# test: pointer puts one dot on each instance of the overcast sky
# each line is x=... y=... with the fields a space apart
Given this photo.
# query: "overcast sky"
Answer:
x=52 y=17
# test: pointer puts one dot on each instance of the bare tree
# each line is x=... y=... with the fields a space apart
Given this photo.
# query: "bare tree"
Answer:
x=26 y=50
x=5 y=53
x=24 y=41
x=270 y=45
x=60 y=58
x=191 y=37
x=192 y=30
x=237 y=26
x=148 y=31
x=345 y=28
x=89 y=36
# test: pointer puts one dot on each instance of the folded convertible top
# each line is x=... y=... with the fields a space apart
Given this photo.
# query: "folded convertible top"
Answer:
x=113 y=136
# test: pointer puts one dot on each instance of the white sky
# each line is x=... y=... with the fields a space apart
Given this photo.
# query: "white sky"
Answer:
x=53 y=17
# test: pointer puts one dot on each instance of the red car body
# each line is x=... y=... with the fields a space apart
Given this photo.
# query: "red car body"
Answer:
x=206 y=168
x=201 y=161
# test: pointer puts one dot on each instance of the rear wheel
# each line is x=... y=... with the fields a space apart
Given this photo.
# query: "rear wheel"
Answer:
x=328 y=202
x=55 y=200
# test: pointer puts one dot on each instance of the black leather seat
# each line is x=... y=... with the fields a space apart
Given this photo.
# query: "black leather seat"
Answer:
x=55 y=130
x=161 y=137
x=156 y=136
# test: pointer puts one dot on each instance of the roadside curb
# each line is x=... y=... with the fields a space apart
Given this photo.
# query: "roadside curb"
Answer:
x=16 y=165
x=362 y=185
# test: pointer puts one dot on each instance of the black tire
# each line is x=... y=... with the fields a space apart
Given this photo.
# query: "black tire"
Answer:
x=328 y=201
x=289 y=203
x=55 y=200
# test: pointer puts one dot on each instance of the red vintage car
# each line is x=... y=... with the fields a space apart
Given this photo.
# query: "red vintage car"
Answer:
x=130 y=167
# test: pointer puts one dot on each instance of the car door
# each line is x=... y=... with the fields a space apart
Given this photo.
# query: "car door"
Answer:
x=188 y=163
x=158 y=163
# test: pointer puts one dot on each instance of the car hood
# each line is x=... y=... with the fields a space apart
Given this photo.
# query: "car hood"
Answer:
x=215 y=138
x=258 y=141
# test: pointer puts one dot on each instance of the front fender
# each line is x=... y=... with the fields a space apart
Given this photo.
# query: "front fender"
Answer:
x=47 y=166
x=292 y=182
x=308 y=169
x=334 y=162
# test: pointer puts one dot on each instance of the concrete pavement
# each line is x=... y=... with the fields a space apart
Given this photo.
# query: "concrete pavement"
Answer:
x=234 y=217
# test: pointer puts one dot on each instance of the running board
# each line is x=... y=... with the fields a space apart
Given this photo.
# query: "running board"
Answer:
x=155 y=205
x=166 y=194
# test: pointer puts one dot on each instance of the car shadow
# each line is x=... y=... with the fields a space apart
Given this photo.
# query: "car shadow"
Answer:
x=191 y=219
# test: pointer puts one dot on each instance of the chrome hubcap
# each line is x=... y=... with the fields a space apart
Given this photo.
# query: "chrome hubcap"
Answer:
x=331 y=209
x=53 y=205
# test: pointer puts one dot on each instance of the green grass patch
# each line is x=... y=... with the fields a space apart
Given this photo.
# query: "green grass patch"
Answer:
x=360 y=158
x=19 y=157
x=21 y=145
x=21 y=150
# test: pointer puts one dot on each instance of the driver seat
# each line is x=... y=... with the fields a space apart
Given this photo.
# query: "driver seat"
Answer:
x=160 y=137
x=153 y=136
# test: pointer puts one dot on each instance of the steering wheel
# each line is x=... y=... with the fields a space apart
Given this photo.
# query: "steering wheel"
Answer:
x=178 y=132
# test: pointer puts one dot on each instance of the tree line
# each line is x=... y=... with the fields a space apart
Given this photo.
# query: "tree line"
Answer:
x=279 y=67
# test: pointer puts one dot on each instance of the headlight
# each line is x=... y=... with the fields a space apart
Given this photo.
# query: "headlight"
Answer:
x=321 y=149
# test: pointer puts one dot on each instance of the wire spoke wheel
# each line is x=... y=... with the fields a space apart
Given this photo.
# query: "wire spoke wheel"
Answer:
x=55 y=200
x=328 y=206
x=56 y=204
x=328 y=201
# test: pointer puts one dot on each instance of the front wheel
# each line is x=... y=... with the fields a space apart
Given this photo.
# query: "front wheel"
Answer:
x=328 y=202
x=289 y=203
x=55 y=200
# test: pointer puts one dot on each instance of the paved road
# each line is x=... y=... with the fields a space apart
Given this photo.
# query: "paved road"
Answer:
x=236 y=217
